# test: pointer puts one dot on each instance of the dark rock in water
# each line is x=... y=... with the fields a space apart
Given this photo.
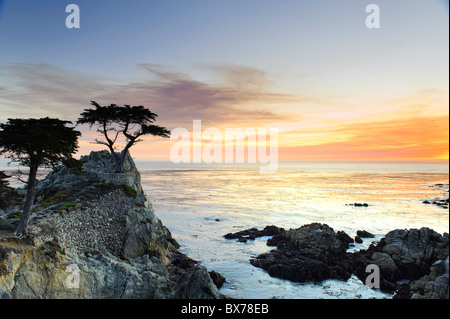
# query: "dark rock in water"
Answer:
x=230 y=236
x=388 y=269
x=359 y=204
x=364 y=234
x=182 y=261
x=414 y=262
x=415 y=250
x=403 y=292
x=363 y=205
x=441 y=202
x=410 y=255
x=253 y=233
x=358 y=239
x=310 y=253
x=344 y=237
x=217 y=278
x=435 y=285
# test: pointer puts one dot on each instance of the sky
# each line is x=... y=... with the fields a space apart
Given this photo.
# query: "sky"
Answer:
x=335 y=89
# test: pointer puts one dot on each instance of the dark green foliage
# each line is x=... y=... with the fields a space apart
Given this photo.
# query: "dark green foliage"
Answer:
x=55 y=198
x=3 y=182
x=4 y=225
x=34 y=143
x=44 y=141
x=48 y=192
x=129 y=191
x=66 y=205
x=8 y=195
x=54 y=247
x=108 y=186
x=73 y=163
x=122 y=119
x=6 y=192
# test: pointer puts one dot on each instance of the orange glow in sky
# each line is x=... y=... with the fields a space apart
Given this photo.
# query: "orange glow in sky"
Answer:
x=335 y=89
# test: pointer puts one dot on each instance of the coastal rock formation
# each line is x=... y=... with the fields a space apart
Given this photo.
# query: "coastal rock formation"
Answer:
x=358 y=205
x=432 y=286
x=253 y=233
x=309 y=253
x=421 y=257
x=413 y=263
x=95 y=228
x=442 y=202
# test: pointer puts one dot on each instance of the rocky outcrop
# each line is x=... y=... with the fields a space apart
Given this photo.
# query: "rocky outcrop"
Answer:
x=432 y=286
x=420 y=256
x=358 y=204
x=253 y=233
x=413 y=263
x=310 y=253
x=442 y=202
x=97 y=226
x=415 y=250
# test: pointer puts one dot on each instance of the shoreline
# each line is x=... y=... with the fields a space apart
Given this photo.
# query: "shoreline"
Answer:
x=315 y=253
x=209 y=213
x=202 y=228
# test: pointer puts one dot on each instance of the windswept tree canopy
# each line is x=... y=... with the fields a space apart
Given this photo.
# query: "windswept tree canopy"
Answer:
x=45 y=141
x=32 y=143
x=6 y=192
x=132 y=121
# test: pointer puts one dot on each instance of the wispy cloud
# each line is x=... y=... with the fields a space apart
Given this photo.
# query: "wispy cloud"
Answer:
x=32 y=90
x=180 y=99
x=400 y=127
x=35 y=90
x=39 y=90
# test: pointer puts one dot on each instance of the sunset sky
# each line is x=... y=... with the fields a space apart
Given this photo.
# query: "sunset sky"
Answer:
x=336 y=90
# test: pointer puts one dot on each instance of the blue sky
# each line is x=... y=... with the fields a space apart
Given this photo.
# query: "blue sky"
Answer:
x=274 y=35
x=311 y=68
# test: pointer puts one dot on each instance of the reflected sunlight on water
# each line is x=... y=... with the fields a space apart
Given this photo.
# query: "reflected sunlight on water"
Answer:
x=200 y=206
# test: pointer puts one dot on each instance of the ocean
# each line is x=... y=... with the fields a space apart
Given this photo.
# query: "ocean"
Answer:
x=201 y=203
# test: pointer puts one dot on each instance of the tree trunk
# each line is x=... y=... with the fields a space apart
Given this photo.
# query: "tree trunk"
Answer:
x=123 y=154
x=31 y=192
x=118 y=163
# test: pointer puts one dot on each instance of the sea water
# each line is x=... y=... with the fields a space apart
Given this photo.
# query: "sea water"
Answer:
x=200 y=203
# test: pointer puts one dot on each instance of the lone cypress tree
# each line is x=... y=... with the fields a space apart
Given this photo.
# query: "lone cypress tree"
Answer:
x=122 y=119
x=33 y=143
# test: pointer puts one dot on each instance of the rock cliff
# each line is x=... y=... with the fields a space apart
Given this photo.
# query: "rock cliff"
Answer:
x=93 y=234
